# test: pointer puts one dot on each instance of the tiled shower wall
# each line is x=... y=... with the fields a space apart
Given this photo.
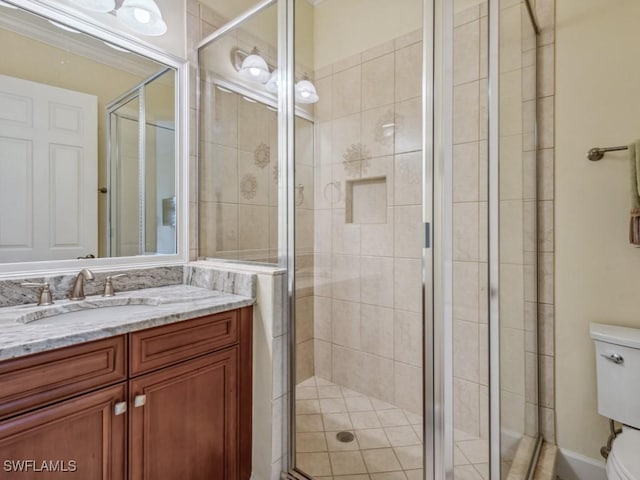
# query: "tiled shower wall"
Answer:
x=367 y=294
x=470 y=270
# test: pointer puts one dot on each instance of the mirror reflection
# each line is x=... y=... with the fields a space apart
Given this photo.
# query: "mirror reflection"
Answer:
x=87 y=146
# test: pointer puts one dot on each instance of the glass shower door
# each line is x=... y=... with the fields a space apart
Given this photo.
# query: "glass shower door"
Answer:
x=358 y=409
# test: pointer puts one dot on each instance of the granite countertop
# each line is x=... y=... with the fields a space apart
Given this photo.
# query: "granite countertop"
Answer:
x=27 y=329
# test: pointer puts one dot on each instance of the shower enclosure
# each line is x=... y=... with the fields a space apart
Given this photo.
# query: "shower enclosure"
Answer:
x=141 y=169
x=403 y=204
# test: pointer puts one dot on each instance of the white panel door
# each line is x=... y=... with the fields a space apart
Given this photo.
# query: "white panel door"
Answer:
x=48 y=172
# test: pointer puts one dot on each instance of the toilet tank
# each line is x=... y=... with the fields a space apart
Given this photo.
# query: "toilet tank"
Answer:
x=618 y=370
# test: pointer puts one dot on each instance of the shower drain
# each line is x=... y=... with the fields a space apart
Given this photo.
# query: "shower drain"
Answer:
x=345 y=437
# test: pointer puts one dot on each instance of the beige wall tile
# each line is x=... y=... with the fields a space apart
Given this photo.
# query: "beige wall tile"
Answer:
x=408 y=72
x=511 y=231
x=346 y=366
x=466 y=107
x=408 y=39
x=408 y=232
x=322 y=318
x=465 y=291
x=465 y=350
x=466 y=15
x=378 y=51
x=304 y=319
x=408 y=179
x=511 y=167
x=408 y=387
x=377 y=375
x=377 y=239
x=408 y=284
x=465 y=172
x=511 y=103
x=324 y=107
x=346 y=324
x=304 y=361
x=407 y=337
x=378 y=130
x=408 y=133
x=376 y=330
x=510 y=38
x=378 y=81
x=466 y=413
x=465 y=231
x=512 y=296
x=512 y=353
x=376 y=276
x=466 y=53
x=346 y=236
x=512 y=412
x=346 y=134
x=346 y=92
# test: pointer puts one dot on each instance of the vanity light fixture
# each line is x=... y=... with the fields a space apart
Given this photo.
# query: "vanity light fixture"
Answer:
x=306 y=91
x=255 y=68
x=142 y=16
x=272 y=83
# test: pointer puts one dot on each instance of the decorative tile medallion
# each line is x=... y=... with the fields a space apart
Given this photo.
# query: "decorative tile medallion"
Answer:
x=356 y=159
x=262 y=155
x=248 y=186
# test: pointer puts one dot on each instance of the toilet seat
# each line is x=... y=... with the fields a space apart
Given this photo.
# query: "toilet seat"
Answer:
x=623 y=462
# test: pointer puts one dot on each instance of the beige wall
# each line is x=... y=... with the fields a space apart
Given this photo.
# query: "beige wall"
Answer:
x=596 y=268
x=342 y=29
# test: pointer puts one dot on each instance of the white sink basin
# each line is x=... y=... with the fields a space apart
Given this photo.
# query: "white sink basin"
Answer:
x=92 y=310
x=90 y=314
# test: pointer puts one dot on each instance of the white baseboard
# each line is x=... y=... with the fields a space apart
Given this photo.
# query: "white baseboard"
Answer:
x=573 y=466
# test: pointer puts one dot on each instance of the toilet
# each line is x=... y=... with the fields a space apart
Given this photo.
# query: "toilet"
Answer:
x=618 y=370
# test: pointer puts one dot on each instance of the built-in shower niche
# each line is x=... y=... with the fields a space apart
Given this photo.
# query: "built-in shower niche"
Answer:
x=366 y=200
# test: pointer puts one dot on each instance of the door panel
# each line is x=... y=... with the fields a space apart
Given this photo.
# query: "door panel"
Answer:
x=48 y=147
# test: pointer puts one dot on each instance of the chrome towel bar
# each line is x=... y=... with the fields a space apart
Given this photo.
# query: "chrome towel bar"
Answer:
x=597 y=153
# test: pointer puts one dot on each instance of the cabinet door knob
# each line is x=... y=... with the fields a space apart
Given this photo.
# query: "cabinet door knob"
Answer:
x=139 y=401
x=120 y=408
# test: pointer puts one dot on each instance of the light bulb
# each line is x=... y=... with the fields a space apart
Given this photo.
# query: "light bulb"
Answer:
x=305 y=94
x=255 y=71
x=143 y=16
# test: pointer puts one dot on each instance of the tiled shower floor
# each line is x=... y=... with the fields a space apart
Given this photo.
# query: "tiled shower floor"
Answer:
x=387 y=443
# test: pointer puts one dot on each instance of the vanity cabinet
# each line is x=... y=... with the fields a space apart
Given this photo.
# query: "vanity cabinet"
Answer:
x=77 y=438
x=170 y=402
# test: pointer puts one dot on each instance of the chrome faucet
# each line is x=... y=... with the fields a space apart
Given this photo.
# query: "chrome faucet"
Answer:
x=78 y=286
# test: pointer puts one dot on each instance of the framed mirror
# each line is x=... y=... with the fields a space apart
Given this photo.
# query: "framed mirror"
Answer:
x=91 y=145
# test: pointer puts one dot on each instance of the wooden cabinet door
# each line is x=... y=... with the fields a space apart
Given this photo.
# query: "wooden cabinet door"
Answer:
x=79 y=438
x=186 y=423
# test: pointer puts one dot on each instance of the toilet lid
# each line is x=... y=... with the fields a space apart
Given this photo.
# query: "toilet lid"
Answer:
x=625 y=452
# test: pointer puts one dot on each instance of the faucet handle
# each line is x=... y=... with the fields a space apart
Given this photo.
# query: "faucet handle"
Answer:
x=45 y=294
x=108 y=286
